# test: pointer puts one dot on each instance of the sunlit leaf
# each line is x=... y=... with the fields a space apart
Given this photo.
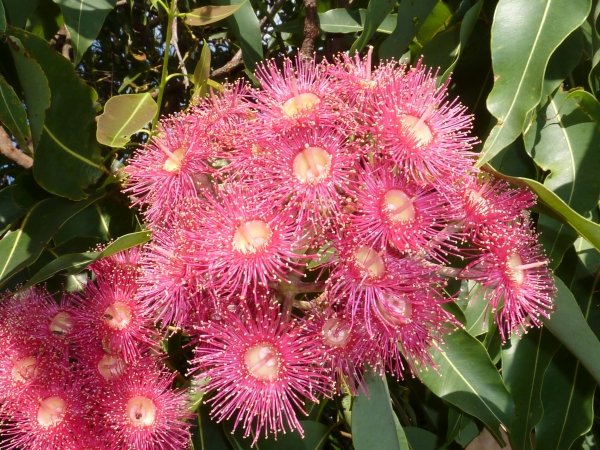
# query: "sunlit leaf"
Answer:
x=342 y=20
x=123 y=116
x=519 y=76
x=202 y=72
x=210 y=14
x=377 y=11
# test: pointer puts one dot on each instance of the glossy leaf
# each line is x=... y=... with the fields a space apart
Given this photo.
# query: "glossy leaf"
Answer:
x=592 y=77
x=474 y=305
x=35 y=88
x=17 y=11
x=468 y=379
x=246 y=28
x=64 y=149
x=84 y=19
x=342 y=20
x=541 y=27
x=123 y=116
x=420 y=439
x=210 y=14
x=406 y=27
x=24 y=246
x=202 y=72
x=12 y=114
x=377 y=11
x=562 y=62
x=568 y=317
x=77 y=262
x=524 y=362
x=466 y=28
x=374 y=412
x=556 y=207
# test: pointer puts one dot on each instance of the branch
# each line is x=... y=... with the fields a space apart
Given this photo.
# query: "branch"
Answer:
x=311 y=30
x=11 y=152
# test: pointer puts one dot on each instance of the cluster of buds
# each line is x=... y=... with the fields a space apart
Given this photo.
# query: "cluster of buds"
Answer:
x=85 y=372
x=301 y=234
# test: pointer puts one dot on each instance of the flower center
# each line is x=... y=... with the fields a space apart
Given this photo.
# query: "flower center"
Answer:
x=173 y=161
x=251 y=236
x=300 y=102
x=141 y=411
x=395 y=310
x=51 y=411
x=111 y=366
x=24 y=369
x=517 y=273
x=336 y=332
x=368 y=259
x=117 y=316
x=61 y=324
x=417 y=127
x=262 y=362
x=312 y=165
x=398 y=206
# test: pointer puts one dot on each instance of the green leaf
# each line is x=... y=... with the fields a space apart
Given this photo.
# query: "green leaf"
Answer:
x=466 y=28
x=24 y=246
x=35 y=88
x=17 y=11
x=123 y=116
x=315 y=436
x=565 y=141
x=245 y=27
x=420 y=439
x=411 y=16
x=84 y=19
x=71 y=149
x=468 y=379
x=562 y=62
x=46 y=20
x=592 y=77
x=373 y=412
x=474 y=305
x=2 y=18
x=15 y=201
x=12 y=114
x=377 y=11
x=210 y=14
x=568 y=317
x=342 y=20
x=202 y=72
x=76 y=262
x=520 y=52
x=556 y=207
x=524 y=362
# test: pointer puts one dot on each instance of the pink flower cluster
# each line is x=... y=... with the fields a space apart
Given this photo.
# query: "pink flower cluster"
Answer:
x=301 y=234
x=84 y=373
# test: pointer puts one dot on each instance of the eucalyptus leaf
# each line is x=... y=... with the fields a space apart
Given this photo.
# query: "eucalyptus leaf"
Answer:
x=467 y=378
x=84 y=19
x=123 y=116
x=210 y=14
x=17 y=11
x=12 y=114
x=373 y=411
x=35 y=88
x=519 y=75
x=342 y=20
x=2 y=17
x=202 y=72
x=64 y=149
x=592 y=77
x=562 y=62
x=409 y=19
x=377 y=11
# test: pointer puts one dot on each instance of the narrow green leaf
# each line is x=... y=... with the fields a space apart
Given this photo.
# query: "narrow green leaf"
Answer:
x=12 y=114
x=568 y=317
x=24 y=246
x=246 y=28
x=374 y=412
x=84 y=19
x=520 y=52
x=17 y=11
x=35 y=88
x=202 y=72
x=524 y=362
x=72 y=149
x=411 y=16
x=466 y=28
x=377 y=11
x=474 y=305
x=342 y=20
x=2 y=18
x=468 y=379
x=553 y=205
x=210 y=14
x=123 y=116
x=76 y=262
x=592 y=77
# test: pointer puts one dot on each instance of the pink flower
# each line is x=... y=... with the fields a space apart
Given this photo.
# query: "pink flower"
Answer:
x=142 y=412
x=260 y=369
